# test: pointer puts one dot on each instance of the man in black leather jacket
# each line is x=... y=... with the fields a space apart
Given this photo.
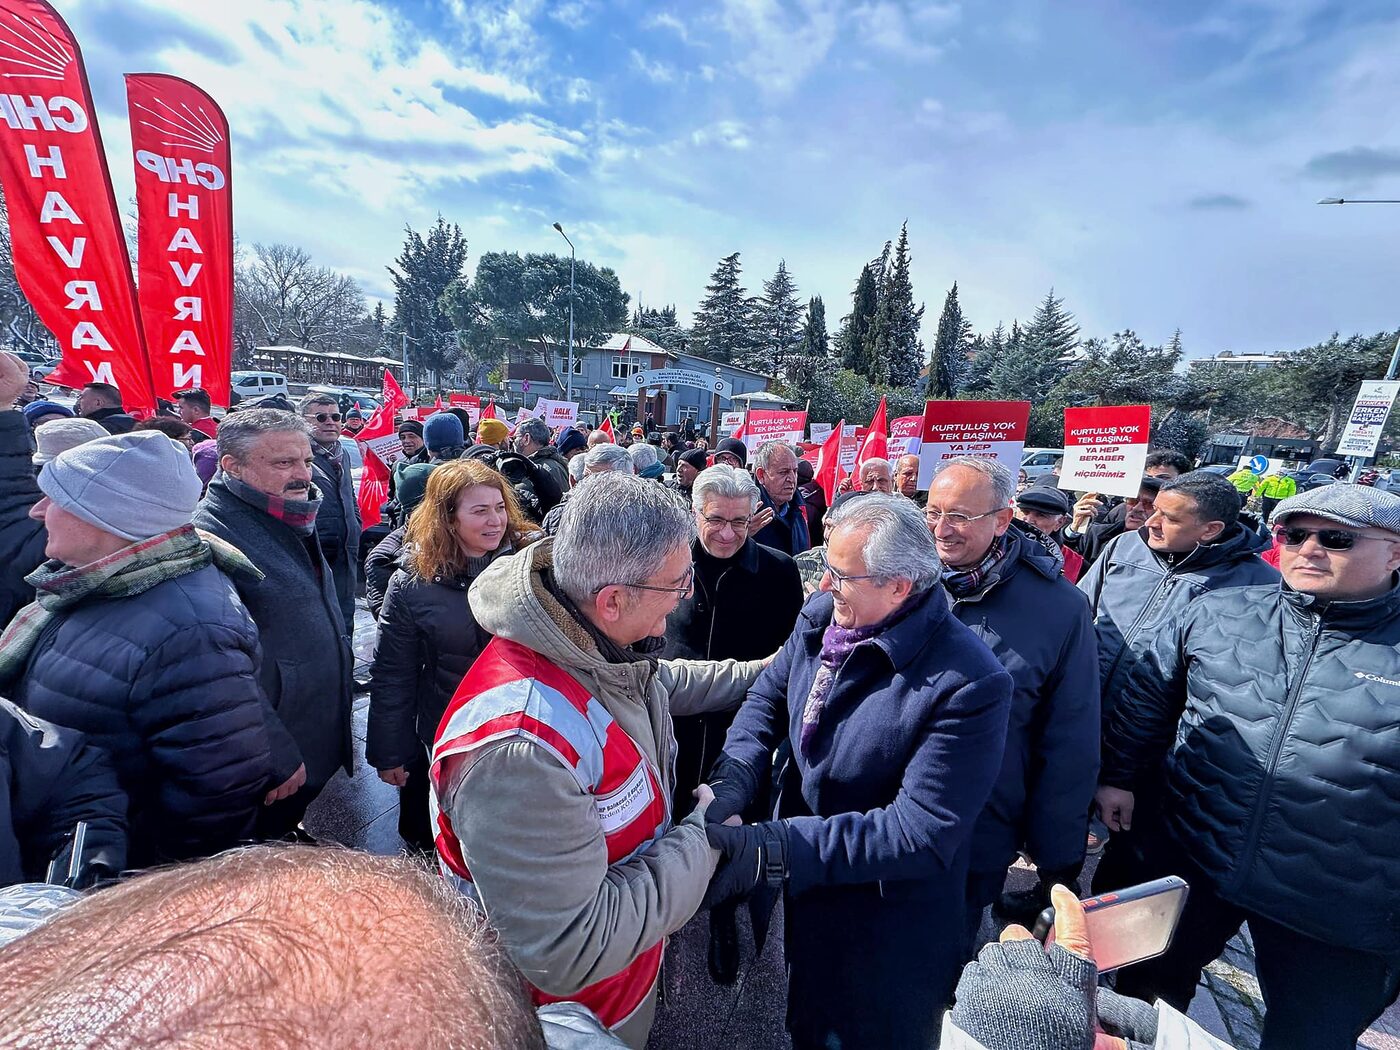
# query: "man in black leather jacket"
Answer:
x=1268 y=713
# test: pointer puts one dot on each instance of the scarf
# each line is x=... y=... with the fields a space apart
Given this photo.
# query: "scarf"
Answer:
x=124 y=574
x=838 y=643
x=299 y=515
x=648 y=650
x=963 y=582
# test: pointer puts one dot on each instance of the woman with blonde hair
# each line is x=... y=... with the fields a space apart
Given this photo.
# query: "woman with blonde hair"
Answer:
x=428 y=637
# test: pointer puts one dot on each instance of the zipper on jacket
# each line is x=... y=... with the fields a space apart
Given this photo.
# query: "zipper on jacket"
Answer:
x=1136 y=625
x=1290 y=708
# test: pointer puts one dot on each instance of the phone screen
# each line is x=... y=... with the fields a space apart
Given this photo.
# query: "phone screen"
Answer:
x=1130 y=925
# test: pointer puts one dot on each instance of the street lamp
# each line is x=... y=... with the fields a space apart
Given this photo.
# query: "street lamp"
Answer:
x=569 y=394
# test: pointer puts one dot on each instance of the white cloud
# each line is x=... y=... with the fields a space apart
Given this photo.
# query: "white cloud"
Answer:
x=665 y=20
x=777 y=43
x=892 y=28
x=657 y=72
x=730 y=134
x=573 y=13
x=578 y=90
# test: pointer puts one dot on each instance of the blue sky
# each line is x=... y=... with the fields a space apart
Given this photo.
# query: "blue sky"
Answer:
x=1156 y=163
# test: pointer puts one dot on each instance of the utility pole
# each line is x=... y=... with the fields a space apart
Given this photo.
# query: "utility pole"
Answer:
x=569 y=389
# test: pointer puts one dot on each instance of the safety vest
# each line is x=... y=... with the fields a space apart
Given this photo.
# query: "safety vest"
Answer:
x=514 y=693
x=1278 y=486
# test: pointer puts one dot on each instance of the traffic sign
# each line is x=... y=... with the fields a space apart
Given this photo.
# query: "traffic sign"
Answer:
x=525 y=386
x=1259 y=464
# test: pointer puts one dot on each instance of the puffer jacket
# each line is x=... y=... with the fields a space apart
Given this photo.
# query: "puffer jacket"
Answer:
x=166 y=683
x=338 y=523
x=1038 y=626
x=1133 y=591
x=22 y=539
x=532 y=836
x=428 y=640
x=1276 y=713
x=380 y=567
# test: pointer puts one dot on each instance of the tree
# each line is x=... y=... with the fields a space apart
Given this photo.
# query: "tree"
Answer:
x=1053 y=328
x=902 y=318
x=853 y=340
x=1123 y=371
x=724 y=324
x=281 y=298
x=17 y=317
x=517 y=299
x=815 y=342
x=948 y=361
x=425 y=269
x=779 y=324
x=660 y=326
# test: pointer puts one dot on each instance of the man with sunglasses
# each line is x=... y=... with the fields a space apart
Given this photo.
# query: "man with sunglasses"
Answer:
x=1270 y=715
x=552 y=773
x=338 y=520
x=744 y=605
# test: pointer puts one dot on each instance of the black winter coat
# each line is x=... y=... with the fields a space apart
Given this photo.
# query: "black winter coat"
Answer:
x=1037 y=624
x=428 y=640
x=1277 y=716
x=22 y=539
x=306 y=667
x=53 y=778
x=380 y=567
x=166 y=683
x=338 y=524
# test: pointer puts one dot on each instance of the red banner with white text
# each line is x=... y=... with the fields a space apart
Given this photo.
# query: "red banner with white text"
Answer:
x=184 y=234
x=69 y=253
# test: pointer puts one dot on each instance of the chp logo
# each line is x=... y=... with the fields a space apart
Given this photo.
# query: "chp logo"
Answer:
x=29 y=51
x=178 y=130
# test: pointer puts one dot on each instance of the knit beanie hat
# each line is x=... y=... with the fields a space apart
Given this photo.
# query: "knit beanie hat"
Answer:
x=491 y=431
x=135 y=485
x=412 y=426
x=571 y=440
x=735 y=448
x=442 y=430
x=59 y=435
x=412 y=485
x=38 y=409
x=696 y=457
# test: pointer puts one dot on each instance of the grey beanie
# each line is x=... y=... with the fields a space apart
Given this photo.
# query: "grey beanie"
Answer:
x=135 y=485
x=59 y=435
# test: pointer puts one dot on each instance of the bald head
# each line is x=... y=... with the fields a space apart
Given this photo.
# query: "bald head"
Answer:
x=906 y=475
x=268 y=947
x=599 y=437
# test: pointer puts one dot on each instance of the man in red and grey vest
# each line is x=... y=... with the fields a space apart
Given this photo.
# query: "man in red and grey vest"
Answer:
x=551 y=772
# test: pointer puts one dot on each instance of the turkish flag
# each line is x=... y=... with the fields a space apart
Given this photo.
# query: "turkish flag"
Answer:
x=606 y=427
x=829 y=473
x=379 y=447
x=877 y=442
x=489 y=412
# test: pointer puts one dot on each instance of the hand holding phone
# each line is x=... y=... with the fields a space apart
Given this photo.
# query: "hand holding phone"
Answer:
x=1126 y=926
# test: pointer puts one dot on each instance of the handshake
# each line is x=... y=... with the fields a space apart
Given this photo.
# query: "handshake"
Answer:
x=751 y=855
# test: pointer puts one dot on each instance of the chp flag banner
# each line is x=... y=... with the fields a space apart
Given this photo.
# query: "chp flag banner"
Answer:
x=1362 y=434
x=184 y=233
x=992 y=429
x=379 y=446
x=66 y=236
x=1106 y=449
x=762 y=425
x=904 y=436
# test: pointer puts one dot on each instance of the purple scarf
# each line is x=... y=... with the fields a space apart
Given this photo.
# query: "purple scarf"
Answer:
x=837 y=645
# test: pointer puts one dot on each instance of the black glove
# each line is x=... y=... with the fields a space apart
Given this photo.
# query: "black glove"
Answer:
x=1018 y=996
x=734 y=784
x=750 y=855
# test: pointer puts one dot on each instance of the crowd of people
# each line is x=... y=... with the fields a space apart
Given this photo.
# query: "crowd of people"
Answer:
x=618 y=683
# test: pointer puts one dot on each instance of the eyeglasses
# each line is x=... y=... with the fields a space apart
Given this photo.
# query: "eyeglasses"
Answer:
x=737 y=524
x=326 y=417
x=953 y=518
x=840 y=579
x=1327 y=539
x=683 y=590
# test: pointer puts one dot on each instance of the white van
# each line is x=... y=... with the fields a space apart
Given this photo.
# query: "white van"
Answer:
x=1038 y=461
x=248 y=385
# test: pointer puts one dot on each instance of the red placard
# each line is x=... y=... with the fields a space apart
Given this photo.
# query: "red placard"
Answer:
x=993 y=429
x=184 y=233
x=1106 y=449
x=69 y=253
x=772 y=425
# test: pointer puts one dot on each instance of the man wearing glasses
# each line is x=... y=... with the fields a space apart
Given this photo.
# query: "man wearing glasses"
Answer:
x=338 y=519
x=1275 y=708
x=744 y=606
x=551 y=772
x=895 y=717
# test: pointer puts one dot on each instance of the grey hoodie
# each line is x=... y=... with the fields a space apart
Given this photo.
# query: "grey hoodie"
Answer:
x=531 y=836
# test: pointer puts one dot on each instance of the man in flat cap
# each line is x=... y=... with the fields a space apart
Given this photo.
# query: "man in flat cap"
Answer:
x=1267 y=718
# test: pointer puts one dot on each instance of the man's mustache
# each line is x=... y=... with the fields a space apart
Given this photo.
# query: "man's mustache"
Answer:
x=295 y=486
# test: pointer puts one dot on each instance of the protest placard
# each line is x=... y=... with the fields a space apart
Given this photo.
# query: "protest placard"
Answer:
x=773 y=425
x=1106 y=449
x=729 y=422
x=992 y=429
x=851 y=437
x=557 y=413
x=1362 y=434
x=905 y=436
x=820 y=432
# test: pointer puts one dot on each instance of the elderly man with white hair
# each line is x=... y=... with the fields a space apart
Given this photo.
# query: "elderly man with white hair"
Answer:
x=745 y=603
x=895 y=713
x=877 y=475
x=645 y=460
x=600 y=459
x=551 y=771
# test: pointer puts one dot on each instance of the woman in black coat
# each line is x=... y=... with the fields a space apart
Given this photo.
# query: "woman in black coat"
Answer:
x=428 y=637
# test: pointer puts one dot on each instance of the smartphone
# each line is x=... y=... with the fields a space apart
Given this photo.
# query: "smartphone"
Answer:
x=1128 y=926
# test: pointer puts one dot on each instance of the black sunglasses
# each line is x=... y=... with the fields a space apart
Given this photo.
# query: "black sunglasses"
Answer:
x=327 y=417
x=1327 y=539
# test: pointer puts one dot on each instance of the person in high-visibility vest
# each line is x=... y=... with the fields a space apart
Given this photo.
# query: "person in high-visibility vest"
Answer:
x=1246 y=481
x=1273 y=488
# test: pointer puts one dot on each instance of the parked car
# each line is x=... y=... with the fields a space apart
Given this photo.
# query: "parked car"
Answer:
x=1223 y=469
x=248 y=385
x=1038 y=461
x=1312 y=479
x=348 y=398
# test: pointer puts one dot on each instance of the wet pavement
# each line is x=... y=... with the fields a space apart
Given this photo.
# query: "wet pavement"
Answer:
x=696 y=1013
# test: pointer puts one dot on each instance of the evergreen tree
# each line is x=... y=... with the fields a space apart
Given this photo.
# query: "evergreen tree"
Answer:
x=985 y=352
x=855 y=331
x=425 y=268
x=724 y=325
x=659 y=326
x=948 y=361
x=1053 y=328
x=904 y=319
x=779 y=317
x=815 y=342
